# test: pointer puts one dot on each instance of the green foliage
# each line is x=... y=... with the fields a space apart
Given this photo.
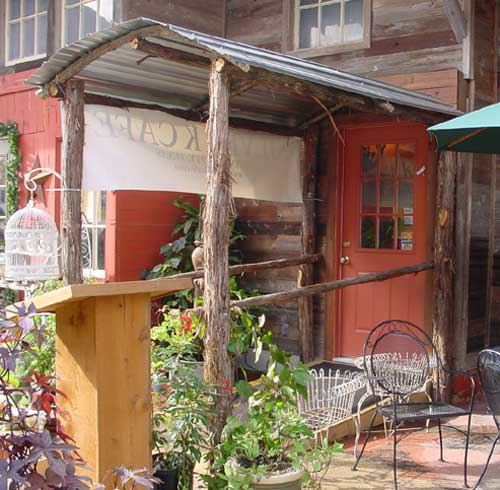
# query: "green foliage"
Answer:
x=9 y=130
x=181 y=421
x=40 y=358
x=177 y=253
x=274 y=437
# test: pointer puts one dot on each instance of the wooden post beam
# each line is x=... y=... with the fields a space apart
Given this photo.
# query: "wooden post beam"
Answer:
x=457 y=19
x=324 y=287
x=444 y=258
x=308 y=238
x=256 y=266
x=159 y=51
x=216 y=302
x=72 y=168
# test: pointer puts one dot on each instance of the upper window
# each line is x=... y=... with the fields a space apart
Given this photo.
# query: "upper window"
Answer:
x=331 y=23
x=83 y=17
x=26 y=30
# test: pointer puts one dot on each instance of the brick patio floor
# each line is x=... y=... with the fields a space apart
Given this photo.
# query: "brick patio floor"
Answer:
x=418 y=465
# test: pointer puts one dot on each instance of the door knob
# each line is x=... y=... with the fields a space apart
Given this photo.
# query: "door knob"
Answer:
x=345 y=260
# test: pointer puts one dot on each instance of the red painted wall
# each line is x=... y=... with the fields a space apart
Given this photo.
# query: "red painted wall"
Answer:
x=39 y=123
x=138 y=222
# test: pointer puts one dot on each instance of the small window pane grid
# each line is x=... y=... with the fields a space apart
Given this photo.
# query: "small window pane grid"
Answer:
x=26 y=30
x=323 y=23
x=387 y=196
x=94 y=232
x=84 y=17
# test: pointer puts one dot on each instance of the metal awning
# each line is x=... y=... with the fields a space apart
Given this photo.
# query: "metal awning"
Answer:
x=123 y=72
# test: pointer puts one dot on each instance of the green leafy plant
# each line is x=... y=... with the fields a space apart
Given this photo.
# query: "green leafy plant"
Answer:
x=181 y=423
x=274 y=437
x=11 y=133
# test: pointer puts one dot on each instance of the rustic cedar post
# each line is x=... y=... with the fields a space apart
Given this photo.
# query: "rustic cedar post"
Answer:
x=216 y=306
x=444 y=258
x=309 y=165
x=72 y=165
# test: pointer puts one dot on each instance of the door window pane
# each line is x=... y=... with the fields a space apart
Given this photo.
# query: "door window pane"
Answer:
x=368 y=232
x=387 y=160
x=386 y=197
x=405 y=232
x=406 y=159
x=405 y=197
x=369 y=197
x=386 y=233
x=42 y=6
x=369 y=160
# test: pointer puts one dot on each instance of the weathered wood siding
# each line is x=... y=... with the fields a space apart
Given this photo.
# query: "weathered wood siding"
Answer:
x=406 y=37
x=273 y=232
x=484 y=240
x=207 y=16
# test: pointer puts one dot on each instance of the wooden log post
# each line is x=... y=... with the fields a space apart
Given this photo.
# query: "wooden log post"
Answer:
x=72 y=167
x=444 y=258
x=306 y=271
x=216 y=304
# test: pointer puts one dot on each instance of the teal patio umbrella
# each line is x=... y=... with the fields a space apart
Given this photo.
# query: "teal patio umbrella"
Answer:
x=475 y=132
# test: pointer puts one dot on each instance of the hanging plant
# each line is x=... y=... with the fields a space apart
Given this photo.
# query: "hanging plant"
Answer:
x=11 y=133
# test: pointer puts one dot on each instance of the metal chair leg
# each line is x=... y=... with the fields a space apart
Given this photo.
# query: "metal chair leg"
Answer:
x=487 y=461
x=440 y=442
x=394 y=455
x=357 y=424
x=365 y=441
x=467 y=439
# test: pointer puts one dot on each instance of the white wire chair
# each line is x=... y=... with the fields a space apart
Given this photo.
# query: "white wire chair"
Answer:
x=330 y=398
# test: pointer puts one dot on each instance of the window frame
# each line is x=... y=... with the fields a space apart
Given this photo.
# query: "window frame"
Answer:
x=93 y=272
x=341 y=47
x=79 y=5
x=19 y=20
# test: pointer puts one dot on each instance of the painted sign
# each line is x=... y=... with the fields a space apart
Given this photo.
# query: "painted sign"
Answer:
x=141 y=149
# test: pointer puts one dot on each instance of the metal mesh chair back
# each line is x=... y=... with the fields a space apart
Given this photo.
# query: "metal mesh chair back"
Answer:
x=397 y=358
x=488 y=364
x=330 y=397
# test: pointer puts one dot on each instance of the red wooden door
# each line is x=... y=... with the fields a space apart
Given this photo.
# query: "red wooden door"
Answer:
x=383 y=227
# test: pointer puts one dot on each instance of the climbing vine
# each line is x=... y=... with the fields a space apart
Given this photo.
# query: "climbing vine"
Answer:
x=9 y=130
x=12 y=165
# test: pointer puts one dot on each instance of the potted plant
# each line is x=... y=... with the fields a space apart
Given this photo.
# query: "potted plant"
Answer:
x=270 y=447
x=180 y=427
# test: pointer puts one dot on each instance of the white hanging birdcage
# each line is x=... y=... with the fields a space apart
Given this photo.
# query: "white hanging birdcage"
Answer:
x=31 y=246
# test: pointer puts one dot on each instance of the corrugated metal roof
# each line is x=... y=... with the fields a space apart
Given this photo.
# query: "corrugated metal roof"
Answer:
x=164 y=82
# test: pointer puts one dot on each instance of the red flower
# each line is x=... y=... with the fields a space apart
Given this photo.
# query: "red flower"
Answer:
x=187 y=323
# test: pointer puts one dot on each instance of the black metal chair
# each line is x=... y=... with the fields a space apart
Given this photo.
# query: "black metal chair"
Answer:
x=399 y=357
x=488 y=365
